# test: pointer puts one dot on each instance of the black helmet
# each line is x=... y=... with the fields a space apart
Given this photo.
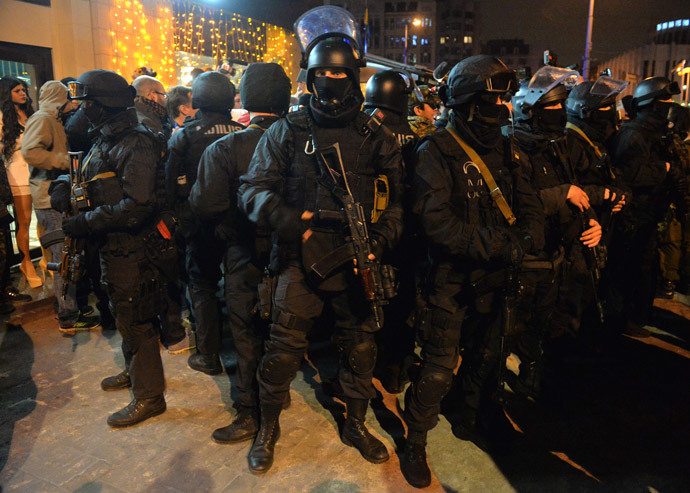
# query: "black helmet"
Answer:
x=333 y=52
x=548 y=86
x=213 y=91
x=652 y=89
x=589 y=96
x=103 y=86
x=265 y=88
x=388 y=90
x=476 y=75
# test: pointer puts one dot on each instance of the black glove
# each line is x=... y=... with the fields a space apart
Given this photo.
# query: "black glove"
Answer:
x=75 y=227
x=60 y=196
x=287 y=223
x=5 y=217
x=377 y=246
x=516 y=247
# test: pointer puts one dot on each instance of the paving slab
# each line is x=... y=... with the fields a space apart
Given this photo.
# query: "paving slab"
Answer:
x=612 y=407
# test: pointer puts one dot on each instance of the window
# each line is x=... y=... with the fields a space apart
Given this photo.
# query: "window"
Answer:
x=425 y=57
x=442 y=40
x=412 y=58
x=414 y=40
x=645 y=69
x=651 y=74
x=400 y=7
x=412 y=6
x=469 y=15
x=516 y=51
x=389 y=7
x=503 y=48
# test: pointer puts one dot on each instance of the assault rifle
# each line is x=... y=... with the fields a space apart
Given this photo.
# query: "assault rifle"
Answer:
x=591 y=254
x=377 y=280
x=72 y=266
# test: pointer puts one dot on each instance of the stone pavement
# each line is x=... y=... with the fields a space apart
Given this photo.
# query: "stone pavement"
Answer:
x=598 y=434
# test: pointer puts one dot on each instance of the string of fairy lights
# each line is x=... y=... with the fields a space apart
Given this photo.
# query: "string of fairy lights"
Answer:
x=202 y=30
x=147 y=33
x=141 y=36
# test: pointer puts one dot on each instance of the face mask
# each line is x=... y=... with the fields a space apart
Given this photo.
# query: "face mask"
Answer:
x=331 y=89
x=491 y=115
x=662 y=109
x=94 y=112
x=603 y=122
x=552 y=120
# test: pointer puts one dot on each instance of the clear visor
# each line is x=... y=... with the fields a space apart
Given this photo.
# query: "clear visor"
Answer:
x=546 y=78
x=606 y=87
x=324 y=20
x=77 y=90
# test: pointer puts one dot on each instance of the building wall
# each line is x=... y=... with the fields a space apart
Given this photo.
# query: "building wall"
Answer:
x=646 y=61
x=456 y=21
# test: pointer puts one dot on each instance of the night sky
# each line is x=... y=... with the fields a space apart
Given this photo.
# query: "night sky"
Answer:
x=559 y=25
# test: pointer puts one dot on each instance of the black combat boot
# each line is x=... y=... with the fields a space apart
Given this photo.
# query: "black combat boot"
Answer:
x=413 y=462
x=355 y=433
x=117 y=382
x=205 y=363
x=137 y=411
x=261 y=454
x=243 y=428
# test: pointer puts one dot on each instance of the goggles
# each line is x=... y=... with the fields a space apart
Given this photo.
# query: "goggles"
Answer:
x=77 y=90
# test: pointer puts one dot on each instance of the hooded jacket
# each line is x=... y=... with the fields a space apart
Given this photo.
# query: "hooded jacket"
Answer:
x=44 y=146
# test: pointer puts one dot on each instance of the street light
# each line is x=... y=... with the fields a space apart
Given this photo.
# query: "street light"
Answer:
x=588 y=43
x=415 y=22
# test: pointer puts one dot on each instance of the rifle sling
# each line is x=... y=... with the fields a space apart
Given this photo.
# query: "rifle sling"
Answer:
x=579 y=132
x=494 y=191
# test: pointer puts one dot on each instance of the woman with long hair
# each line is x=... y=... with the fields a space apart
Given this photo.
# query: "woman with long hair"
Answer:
x=15 y=108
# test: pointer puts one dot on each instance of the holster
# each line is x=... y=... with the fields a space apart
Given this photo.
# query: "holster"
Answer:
x=266 y=291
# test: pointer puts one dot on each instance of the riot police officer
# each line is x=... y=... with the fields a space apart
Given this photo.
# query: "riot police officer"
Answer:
x=592 y=123
x=388 y=91
x=641 y=154
x=473 y=235
x=298 y=166
x=539 y=119
x=214 y=96
x=124 y=171
x=265 y=92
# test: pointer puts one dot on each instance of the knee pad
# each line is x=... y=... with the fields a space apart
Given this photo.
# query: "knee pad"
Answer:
x=432 y=388
x=362 y=358
x=279 y=368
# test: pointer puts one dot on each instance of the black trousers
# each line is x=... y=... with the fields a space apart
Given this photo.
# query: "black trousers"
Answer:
x=453 y=310
x=249 y=332
x=203 y=259
x=299 y=304
x=134 y=293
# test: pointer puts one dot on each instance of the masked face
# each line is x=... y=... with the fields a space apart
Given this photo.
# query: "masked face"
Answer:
x=551 y=119
x=490 y=112
x=332 y=89
x=94 y=112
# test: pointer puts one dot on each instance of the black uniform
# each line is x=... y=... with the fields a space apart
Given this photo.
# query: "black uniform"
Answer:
x=125 y=208
x=469 y=238
x=213 y=198
x=641 y=154
x=283 y=179
x=204 y=251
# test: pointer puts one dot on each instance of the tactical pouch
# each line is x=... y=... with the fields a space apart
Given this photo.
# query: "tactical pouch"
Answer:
x=104 y=189
x=483 y=285
x=160 y=247
x=267 y=289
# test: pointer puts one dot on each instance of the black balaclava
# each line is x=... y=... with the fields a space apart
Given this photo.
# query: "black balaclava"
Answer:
x=549 y=120
x=656 y=114
x=482 y=119
x=335 y=102
x=605 y=123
